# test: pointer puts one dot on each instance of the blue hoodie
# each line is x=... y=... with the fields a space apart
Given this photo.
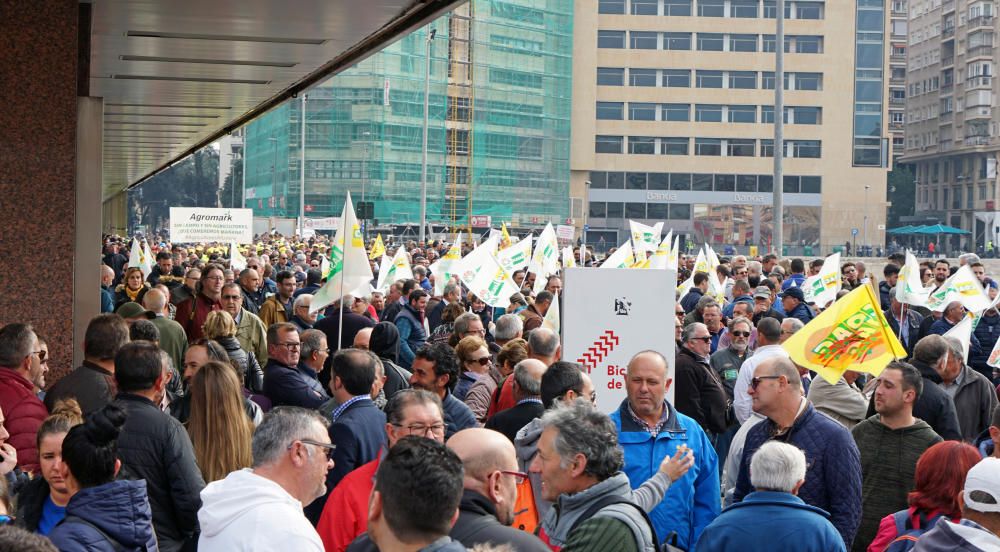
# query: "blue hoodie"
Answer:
x=120 y=509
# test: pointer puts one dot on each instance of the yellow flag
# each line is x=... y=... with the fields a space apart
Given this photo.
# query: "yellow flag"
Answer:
x=850 y=335
x=504 y=236
x=378 y=248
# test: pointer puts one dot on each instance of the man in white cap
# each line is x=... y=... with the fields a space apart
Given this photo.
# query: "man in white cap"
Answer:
x=979 y=528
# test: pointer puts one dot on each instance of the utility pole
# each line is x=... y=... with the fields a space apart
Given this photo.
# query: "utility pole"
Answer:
x=302 y=172
x=777 y=206
x=423 y=165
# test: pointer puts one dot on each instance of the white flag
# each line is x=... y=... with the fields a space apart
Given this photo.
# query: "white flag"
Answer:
x=517 y=256
x=545 y=258
x=645 y=238
x=962 y=286
x=551 y=320
x=621 y=258
x=910 y=288
x=672 y=260
x=568 y=259
x=395 y=270
x=442 y=268
x=491 y=283
x=467 y=267
x=139 y=258
x=349 y=268
x=963 y=333
x=661 y=258
x=822 y=288
x=147 y=260
x=236 y=260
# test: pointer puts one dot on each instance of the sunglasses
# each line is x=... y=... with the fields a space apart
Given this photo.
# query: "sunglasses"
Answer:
x=741 y=334
x=706 y=339
x=482 y=361
x=329 y=447
x=755 y=382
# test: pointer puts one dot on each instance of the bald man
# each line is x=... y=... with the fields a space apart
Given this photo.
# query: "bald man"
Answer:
x=527 y=392
x=362 y=339
x=172 y=337
x=107 y=291
x=490 y=483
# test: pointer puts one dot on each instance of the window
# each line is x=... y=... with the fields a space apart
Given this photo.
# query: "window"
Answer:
x=643 y=40
x=811 y=184
x=659 y=181
x=725 y=183
x=641 y=111
x=611 y=6
x=598 y=209
x=680 y=211
x=766 y=150
x=743 y=79
x=803 y=115
x=742 y=114
x=676 y=78
x=610 y=76
x=807 y=10
x=674 y=146
x=708 y=79
x=635 y=210
x=790 y=184
x=680 y=181
x=710 y=42
x=641 y=145
x=657 y=211
x=808 y=44
x=702 y=183
x=608 y=144
x=610 y=111
x=765 y=183
x=615 y=210
x=616 y=181
x=808 y=81
x=610 y=39
x=767 y=114
x=644 y=7
x=642 y=77
x=743 y=8
x=711 y=8
x=771 y=9
x=746 y=183
x=809 y=149
x=676 y=7
x=675 y=112
x=708 y=146
x=598 y=180
x=743 y=43
x=635 y=181
x=676 y=41
x=708 y=113
x=740 y=147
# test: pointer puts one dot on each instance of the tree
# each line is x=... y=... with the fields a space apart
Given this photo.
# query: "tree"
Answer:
x=231 y=194
x=192 y=182
x=901 y=192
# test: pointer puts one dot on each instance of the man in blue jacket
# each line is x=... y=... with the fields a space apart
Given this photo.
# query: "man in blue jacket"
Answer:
x=833 y=478
x=650 y=429
x=773 y=517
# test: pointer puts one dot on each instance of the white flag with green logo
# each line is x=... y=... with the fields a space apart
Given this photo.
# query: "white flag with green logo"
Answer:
x=349 y=268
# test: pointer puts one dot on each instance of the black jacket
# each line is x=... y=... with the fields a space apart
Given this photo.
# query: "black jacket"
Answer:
x=172 y=280
x=510 y=421
x=913 y=320
x=30 y=501
x=253 y=374
x=91 y=386
x=700 y=394
x=933 y=406
x=477 y=524
x=155 y=447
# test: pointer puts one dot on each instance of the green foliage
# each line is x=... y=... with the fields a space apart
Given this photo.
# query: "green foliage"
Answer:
x=901 y=191
x=193 y=182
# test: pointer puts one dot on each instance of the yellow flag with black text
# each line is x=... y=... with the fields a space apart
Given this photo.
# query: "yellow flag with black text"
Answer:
x=852 y=334
x=378 y=248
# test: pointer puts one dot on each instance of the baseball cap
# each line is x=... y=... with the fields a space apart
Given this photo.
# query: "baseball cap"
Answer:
x=762 y=292
x=795 y=292
x=134 y=310
x=985 y=478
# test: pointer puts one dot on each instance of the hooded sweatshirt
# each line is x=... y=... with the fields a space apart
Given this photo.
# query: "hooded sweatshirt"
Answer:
x=964 y=536
x=245 y=511
x=888 y=465
x=120 y=509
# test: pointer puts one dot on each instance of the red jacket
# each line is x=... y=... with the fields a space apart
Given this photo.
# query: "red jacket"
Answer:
x=345 y=515
x=24 y=414
x=193 y=321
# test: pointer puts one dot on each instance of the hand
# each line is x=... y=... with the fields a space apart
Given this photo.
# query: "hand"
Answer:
x=676 y=466
x=9 y=458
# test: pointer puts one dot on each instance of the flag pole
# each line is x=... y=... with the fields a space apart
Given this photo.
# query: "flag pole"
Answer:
x=343 y=267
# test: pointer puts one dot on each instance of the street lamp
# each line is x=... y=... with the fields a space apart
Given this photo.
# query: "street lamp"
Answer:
x=586 y=222
x=423 y=164
x=866 y=214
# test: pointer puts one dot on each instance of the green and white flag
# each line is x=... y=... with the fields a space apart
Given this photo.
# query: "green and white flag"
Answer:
x=910 y=289
x=962 y=286
x=517 y=256
x=491 y=282
x=442 y=269
x=349 y=269
x=394 y=270
x=822 y=288
x=645 y=238
x=623 y=257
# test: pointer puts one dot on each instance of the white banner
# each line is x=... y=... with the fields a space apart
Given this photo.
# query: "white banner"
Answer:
x=565 y=232
x=609 y=316
x=325 y=223
x=204 y=224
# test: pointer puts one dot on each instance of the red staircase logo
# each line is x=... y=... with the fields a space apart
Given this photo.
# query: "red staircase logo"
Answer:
x=599 y=350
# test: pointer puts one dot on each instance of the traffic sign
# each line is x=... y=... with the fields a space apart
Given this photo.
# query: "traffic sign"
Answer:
x=854 y=231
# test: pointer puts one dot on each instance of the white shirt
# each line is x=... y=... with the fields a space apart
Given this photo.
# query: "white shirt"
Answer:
x=742 y=402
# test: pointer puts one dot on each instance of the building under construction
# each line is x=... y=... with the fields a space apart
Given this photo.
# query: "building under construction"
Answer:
x=498 y=126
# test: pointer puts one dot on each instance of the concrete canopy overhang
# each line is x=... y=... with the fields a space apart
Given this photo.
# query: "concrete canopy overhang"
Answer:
x=176 y=75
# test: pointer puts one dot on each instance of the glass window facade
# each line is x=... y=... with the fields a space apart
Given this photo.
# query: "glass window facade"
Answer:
x=869 y=80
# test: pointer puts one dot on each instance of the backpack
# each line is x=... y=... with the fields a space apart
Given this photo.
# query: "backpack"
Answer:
x=906 y=534
x=669 y=545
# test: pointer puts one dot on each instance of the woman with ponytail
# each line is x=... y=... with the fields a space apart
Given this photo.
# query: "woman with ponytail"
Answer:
x=103 y=514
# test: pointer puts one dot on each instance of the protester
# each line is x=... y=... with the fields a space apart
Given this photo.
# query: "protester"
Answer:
x=700 y=394
x=411 y=325
x=979 y=529
x=435 y=369
x=284 y=383
x=220 y=327
x=544 y=346
x=302 y=319
x=260 y=508
x=535 y=313
x=938 y=481
x=218 y=427
x=474 y=358
x=975 y=396
x=21 y=370
x=527 y=392
x=768 y=346
x=155 y=447
x=250 y=330
x=278 y=308
x=773 y=517
x=903 y=321
x=103 y=513
x=446 y=327
x=41 y=503
x=352 y=321
x=843 y=401
x=452 y=294
x=934 y=405
x=833 y=478
x=793 y=302
x=890 y=443
x=385 y=344
x=107 y=294
x=173 y=340
x=698 y=290
x=92 y=384
x=132 y=289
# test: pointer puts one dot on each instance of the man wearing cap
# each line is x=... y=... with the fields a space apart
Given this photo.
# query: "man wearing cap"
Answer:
x=794 y=303
x=762 y=305
x=979 y=528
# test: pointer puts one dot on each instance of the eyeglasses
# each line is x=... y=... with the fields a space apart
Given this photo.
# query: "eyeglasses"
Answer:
x=519 y=477
x=420 y=429
x=216 y=278
x=289 y=346
x=741 y=334
x=482 y=361
x=476 y=332
x=757 y=379
x=330 y=447
x=706 y=339
x=254 y=267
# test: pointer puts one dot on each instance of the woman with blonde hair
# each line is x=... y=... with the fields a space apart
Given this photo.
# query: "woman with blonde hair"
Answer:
x=478 y=374
x=220 y=327
x=218 y=426
x=132 y=289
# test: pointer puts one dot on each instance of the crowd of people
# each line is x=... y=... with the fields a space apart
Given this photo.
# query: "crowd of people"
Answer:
x=214 y=411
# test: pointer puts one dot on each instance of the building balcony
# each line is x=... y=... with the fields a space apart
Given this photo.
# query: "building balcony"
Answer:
x=981 y=21
x=897 y=58
x=977 y=141
x=947 y=6
x=896 y=127
x=948 y=33
x=945 y=118
x=979 y=51
x=897 y=102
